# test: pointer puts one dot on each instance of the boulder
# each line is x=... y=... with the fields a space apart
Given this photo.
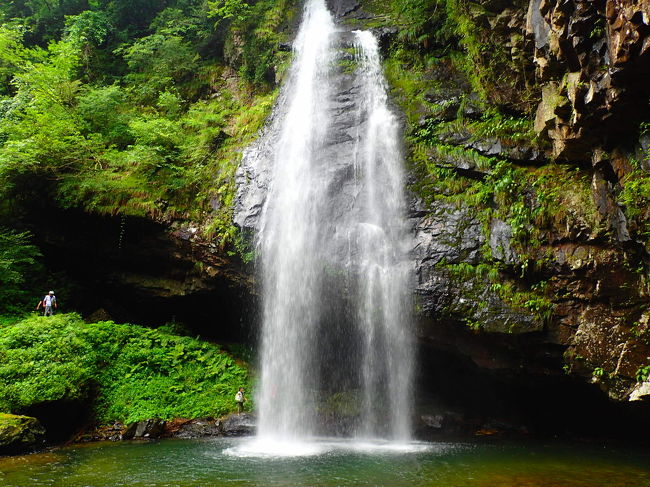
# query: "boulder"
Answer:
x=199 y=428
x=242 y=424
x=147 y=429
x=20 y=433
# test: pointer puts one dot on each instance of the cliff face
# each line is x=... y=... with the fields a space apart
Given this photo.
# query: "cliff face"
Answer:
x=526 y=138
x=548 y=264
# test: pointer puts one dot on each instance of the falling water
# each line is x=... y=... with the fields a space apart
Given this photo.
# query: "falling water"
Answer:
x=333 y=246
x=289 y=243
x=384 y=268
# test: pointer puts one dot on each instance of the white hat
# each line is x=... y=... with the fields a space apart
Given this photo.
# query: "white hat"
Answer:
x=51 y=292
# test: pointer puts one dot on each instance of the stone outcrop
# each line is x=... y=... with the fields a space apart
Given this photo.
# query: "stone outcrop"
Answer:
x=197 y=428
x=136 y=270
x=242 y=424
x=591 y=58
x=20 y=434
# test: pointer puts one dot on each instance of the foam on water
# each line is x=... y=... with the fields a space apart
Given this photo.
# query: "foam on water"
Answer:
x=264 y=448
x=272 y=448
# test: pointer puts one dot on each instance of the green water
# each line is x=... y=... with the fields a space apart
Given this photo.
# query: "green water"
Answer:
x=217 y=463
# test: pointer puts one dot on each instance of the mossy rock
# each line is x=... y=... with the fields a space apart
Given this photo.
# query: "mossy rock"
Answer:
x=19 y=433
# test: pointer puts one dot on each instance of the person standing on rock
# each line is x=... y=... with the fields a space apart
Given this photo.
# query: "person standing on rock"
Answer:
x=48 y=303
x=240 y=399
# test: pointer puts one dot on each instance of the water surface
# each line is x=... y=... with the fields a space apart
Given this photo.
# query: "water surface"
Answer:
x=229 y=462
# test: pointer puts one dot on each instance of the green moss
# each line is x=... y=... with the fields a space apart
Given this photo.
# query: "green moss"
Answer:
x=406 y=75
x=19 y=432
x=535 y=301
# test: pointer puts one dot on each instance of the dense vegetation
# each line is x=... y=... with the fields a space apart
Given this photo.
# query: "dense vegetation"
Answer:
x=134 y=109
x=18 y=267
x=122 y=372
x=131 y=109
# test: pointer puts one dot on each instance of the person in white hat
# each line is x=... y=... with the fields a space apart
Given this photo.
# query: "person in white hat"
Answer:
x=48 y=303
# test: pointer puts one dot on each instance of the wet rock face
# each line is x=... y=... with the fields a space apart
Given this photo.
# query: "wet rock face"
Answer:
x=19 y=434
x=343 y=8
x=451 y=234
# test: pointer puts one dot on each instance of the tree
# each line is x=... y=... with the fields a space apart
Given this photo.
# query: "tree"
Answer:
x=18 y=260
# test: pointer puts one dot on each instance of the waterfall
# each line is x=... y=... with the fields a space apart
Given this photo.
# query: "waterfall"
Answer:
x=333 y=245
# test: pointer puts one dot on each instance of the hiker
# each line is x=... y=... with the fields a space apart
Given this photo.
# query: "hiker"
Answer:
x=240 y=399
x=48 y=303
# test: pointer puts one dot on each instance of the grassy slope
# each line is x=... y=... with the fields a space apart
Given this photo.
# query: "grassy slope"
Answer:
x=124 y=372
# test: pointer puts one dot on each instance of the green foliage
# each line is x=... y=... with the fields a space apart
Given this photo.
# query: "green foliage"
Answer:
x=434 y=32
x=473 y=325
x=137 y=108
x=494 y=70
x=18 y=263
x=158 y=63
x=128 y=373
x=255 y=38
x=88 y=29
x=643 y=373
x=635 y=198
x=43 y=360
x=420 y=23
x=228 y=9
x=641 y=332
x=599 y=373
x=152 y=374
x=508 y=129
